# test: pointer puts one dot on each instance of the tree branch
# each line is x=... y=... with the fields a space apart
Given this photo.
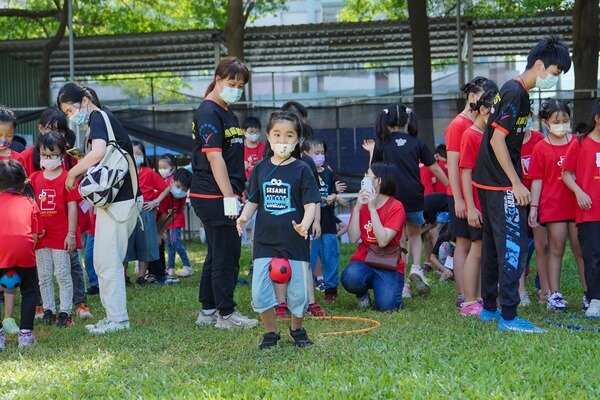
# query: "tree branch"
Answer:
x=34 y=14
x=248 y=9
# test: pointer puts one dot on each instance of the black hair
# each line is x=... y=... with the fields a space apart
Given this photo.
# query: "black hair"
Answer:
x=168 y=157
x=296 y=108
x=307 y=131
x=413 y=123
x=550 y=106
x=387 y=173
x=485 y=100
x=52 y=140
x=12 y=176
x=20 y=140
x=229 y=67
x=183 y=176
x=74 y=92
x=551 y=51
x=143 y=149
x=309 y=143
x=296 y=123
x=54 y=119
x=393 y=115
x=251 y=122
x=441 y=150
x=580 y=128
x=7 y=116
x=477 y=85
x=592 y=123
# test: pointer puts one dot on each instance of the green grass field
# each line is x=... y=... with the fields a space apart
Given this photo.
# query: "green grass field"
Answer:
x=427 y=350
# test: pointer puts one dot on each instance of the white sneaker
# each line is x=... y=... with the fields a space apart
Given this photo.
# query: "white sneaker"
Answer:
x=206 y=318
x=364 y=302
x=235 y=320
x=83 y=311
x=556 y=302
x=171 y=279
x=406 y=291
x=525 y=300
x=594 y=309
x=170 y=272
x=107 y=326
x=418 y=278
x=185 y=272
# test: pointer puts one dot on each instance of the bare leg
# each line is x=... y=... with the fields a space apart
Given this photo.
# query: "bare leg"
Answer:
x=269 y=320
x=576 y=248
x=414 y=243
x=557 y=238
x=471 y=272
x=540 y=241
x=460 y=255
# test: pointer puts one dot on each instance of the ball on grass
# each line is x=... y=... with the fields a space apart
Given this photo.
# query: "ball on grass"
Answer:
x=10 y=280
x=280 y=270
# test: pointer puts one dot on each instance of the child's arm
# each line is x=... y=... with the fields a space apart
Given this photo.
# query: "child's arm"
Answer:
x=498 y=143
x=70 y=243
x=342 y=228
x=369 y=145
x=163 y=221
x=460 y=208
x=536 y=189
x=473 y=215
x=439 y=174
x=316 y=225
x=435 y=261
x=307 y=220
x=583 y=200
x=246 y=214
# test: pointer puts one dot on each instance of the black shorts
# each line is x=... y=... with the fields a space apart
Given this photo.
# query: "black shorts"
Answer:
x=458 y=227
x=475 y=233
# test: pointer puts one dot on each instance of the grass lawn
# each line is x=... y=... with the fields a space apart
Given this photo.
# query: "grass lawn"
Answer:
x=427 y=350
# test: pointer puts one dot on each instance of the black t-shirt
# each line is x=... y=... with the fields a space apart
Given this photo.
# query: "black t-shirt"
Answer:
x=510 y=112
x=217 y=129
x=326 y=187
x=405 y=152
x=434 y=204
x=281 y=193
x=98 y=130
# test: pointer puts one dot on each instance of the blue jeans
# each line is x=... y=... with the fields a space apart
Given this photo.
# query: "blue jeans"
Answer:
x=326 y=247
x=174 y=245
x=88 y=258
x=358 y=278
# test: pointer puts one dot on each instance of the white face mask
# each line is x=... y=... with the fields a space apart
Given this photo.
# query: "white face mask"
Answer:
x=253 y=137
x=51 y=165
x=165 y=172
x=230 y=94
x=546 y=83
x=560 y=130
x=283 y=150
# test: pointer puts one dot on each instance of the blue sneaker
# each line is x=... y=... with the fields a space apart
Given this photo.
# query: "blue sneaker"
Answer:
x=518 y=325
x=488 y=316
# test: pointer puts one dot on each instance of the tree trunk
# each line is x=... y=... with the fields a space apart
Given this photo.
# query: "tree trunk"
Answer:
x=44 y=84
x=586 y=45
x=234 y=28
x=421 y=50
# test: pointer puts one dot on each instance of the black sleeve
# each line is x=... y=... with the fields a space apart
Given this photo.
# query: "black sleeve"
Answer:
x=425 y=155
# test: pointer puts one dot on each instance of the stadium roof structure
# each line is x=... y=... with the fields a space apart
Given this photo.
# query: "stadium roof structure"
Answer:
x=291 y=45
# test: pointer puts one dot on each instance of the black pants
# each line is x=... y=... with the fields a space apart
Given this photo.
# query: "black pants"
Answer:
x=588 y=234
x=222 y=263
x=29 y=295
x=503 y=250
x=157 y=267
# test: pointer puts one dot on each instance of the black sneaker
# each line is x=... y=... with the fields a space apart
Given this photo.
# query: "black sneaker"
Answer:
x=64 y=320
x=93 y=290
x=140 y=282
x=270 y=339
x=49 y=318
x=301 y=337
x=127 y=281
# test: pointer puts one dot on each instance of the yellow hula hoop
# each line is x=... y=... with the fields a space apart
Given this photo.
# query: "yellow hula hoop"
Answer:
x=375 y=324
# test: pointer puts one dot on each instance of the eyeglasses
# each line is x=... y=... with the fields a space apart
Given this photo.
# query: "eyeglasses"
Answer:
x=50 y=156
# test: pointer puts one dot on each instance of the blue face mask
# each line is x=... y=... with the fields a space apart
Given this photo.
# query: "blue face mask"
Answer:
x=230 y=94
x=528 y=124
x=178 y=193
x=4 y=144
x=79 y=118
x=546 y=83
x=139 y=161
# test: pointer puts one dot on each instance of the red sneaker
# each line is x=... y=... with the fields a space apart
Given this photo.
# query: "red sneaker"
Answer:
x=281 y=310
x=315 y=310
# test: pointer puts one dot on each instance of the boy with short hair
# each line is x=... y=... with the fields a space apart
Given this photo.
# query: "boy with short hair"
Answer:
x=502 y=195
x=253 y=148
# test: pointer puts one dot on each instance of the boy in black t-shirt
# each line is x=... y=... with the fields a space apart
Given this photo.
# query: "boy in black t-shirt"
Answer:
x=501 y=192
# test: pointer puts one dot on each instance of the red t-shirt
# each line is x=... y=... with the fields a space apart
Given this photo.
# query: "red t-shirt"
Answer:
x=439 y=187
x=173 y=205
x=52 y=199
x=151 y=183
x=469 y=148
x=20 y=221
x=454 y=134
x=557 y=202
x=30 y=168
x=252 y=156
x=426 y=179
x=526 y=152
x=583 y=159
x=14 y=156
x=392 y=216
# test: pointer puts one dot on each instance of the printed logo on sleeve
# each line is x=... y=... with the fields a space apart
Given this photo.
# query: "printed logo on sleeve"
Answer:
x=277 y=197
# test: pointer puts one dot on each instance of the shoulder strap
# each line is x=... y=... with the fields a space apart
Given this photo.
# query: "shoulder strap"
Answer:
x=109 y=129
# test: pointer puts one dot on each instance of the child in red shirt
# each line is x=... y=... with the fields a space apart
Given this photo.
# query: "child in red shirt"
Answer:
x=21 y=225
x=440 y=157
x=143 y=243
x=552 y=203
x=8 y=124
x=253 y=148
x=59 y=213
x=469 y=148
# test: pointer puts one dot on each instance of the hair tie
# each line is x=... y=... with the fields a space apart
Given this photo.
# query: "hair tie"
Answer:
x=408 y=110
x=385 y=110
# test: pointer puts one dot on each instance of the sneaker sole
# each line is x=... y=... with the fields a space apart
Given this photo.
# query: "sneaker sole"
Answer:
x=507 y=329
x=103 y=331
x=422 y=287
x=205 y=323
x=229 y=326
